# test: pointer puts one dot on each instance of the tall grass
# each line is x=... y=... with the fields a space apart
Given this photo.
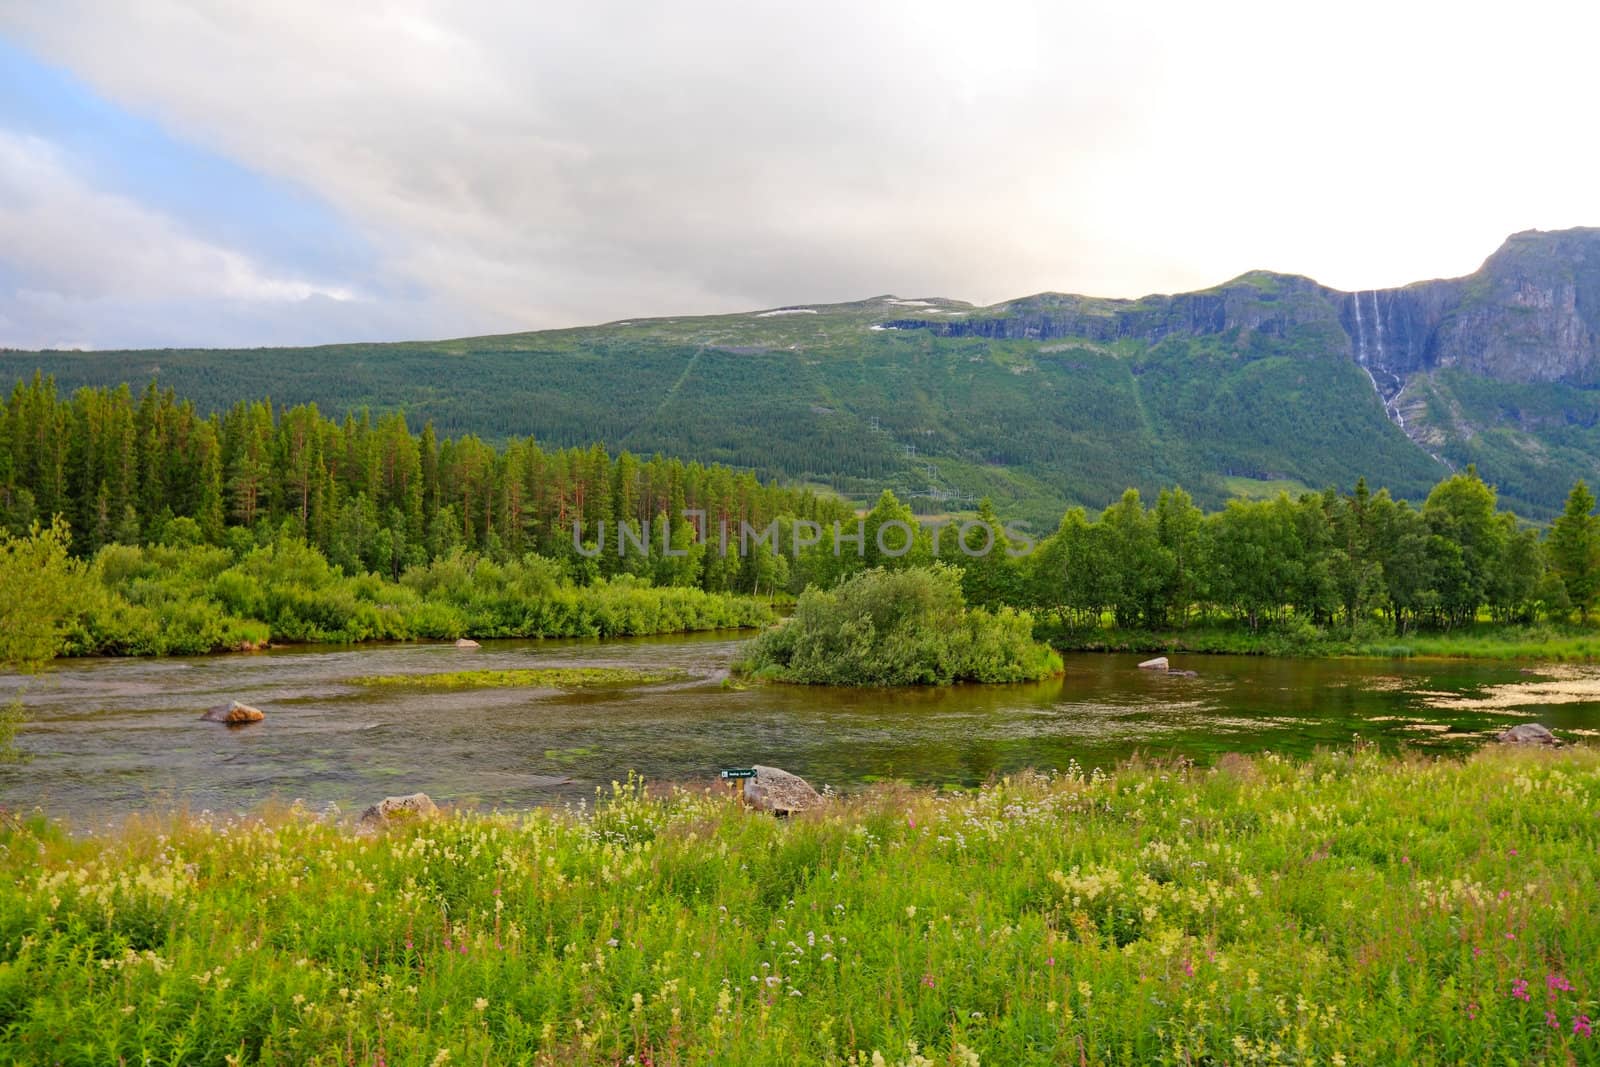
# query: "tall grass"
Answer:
x=1349 y=909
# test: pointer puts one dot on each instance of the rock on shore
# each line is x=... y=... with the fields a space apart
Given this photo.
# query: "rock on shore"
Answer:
x=779 y=792
x=1527 y=733
x=413 y=806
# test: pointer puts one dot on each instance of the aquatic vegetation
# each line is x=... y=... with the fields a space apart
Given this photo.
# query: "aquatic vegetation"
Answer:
x=539 y=677
x=1350 y=908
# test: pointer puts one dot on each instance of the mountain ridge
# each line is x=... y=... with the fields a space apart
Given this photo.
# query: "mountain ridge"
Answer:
x=1266 y=381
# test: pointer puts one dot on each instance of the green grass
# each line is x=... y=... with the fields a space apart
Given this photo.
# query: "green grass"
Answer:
x=1485 y=641
x=542 y=677
x=1351 y=908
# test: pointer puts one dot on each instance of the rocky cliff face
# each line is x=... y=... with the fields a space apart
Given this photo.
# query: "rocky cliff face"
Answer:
x=1531 y=313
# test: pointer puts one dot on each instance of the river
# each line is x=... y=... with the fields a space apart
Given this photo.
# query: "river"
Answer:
x=107 y=737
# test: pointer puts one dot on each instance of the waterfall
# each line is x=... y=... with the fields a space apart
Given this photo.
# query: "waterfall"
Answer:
x=1361 y=335
x=1378 y=316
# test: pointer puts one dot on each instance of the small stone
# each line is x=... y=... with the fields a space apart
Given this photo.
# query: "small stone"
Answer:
x=1527 y=733
x=779 y=792
x=233 y=714
x=466 y=642
x=1175 y=672
x=1157 y=664
x=390 y=809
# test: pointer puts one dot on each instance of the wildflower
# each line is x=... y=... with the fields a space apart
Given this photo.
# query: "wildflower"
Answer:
x=1472 y=1011
x=1557 y=982
x=481 y=1003
x=911 y=911
x=1582 y=1027
x=1188 y=968
x=927 y=980
x=1519 y=989
x=1050 y=962
x=1550 y=1020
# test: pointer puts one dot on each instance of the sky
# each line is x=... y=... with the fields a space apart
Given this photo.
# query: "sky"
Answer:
x=230 y=173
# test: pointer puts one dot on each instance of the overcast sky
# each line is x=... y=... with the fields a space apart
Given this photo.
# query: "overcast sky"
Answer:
x=234 y=172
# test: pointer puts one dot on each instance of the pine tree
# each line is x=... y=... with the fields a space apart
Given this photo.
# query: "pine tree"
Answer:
x=1575 y=549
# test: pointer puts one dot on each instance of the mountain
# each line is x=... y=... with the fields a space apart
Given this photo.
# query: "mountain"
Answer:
x=1267 y=381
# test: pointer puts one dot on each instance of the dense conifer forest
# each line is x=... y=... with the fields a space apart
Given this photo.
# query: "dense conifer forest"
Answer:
x=210 y=532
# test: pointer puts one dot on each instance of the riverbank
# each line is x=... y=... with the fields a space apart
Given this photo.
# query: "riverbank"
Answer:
x=1485 y=641
x=1350 y=908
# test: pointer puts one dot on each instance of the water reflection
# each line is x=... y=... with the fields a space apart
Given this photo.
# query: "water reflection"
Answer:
x=111 y=735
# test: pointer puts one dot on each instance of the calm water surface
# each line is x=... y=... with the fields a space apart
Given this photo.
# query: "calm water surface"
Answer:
x=111 y=736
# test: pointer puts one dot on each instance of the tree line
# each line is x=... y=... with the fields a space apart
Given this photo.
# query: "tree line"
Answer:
x=373 y=496
x=369 y=493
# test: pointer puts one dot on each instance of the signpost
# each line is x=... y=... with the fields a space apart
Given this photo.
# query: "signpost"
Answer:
x=732 y=775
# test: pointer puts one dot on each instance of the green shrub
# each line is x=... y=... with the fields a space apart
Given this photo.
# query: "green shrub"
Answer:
x=902 y=627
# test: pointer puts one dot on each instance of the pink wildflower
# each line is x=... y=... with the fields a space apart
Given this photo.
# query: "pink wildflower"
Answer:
x=1519 y=989
x=1188 y=968
x=927 y=980
x=1550 y=1020
x=1472 y=1011
x=1581 y=1026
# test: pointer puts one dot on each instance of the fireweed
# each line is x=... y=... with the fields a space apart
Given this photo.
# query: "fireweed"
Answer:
x=1350 y=908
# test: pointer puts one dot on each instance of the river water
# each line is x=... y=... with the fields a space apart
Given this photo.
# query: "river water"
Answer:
x=107 y=737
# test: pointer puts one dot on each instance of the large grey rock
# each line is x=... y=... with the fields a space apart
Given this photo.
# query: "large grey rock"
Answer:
x=779 y=792
x=389 y=809
x=233 y=714
x=1157 y=664
x=1527 y=733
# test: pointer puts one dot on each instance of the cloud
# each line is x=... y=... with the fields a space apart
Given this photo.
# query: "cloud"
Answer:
x=530 y=165
x=90 y=268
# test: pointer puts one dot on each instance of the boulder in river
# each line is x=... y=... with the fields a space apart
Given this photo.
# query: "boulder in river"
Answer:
x=1527 y=733
x=1157 y=664
x=234 y=714
x=466 y=642
x=390 y=809
x=779 y=792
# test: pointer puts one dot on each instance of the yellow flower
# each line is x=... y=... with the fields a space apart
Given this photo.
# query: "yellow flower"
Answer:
x=480 y=1003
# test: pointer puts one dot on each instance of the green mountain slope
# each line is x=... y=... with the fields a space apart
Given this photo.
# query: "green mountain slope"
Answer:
x=1052 y=400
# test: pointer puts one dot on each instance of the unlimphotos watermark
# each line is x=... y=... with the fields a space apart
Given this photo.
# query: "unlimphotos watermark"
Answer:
x=894 y=538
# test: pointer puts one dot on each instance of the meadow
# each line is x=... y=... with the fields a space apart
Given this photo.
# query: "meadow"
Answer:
x=1350 y=908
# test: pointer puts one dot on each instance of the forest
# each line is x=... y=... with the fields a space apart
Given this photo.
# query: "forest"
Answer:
x=405 y=534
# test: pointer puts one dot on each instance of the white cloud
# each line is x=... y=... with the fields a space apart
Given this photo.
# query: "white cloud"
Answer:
x=547 y=164
x=74 y=243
